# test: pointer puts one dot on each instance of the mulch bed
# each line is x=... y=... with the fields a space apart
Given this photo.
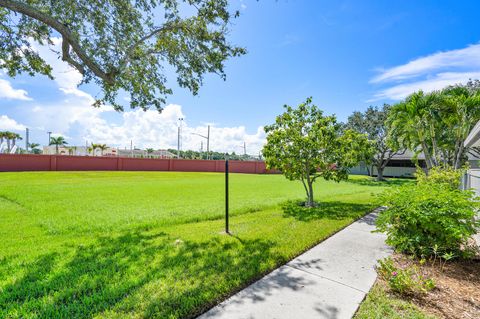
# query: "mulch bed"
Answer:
x=457 y=291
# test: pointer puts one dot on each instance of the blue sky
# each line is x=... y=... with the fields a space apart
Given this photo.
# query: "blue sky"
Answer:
x=346 y=54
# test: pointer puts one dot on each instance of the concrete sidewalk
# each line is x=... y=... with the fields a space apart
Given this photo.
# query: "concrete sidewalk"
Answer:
x=328 y=281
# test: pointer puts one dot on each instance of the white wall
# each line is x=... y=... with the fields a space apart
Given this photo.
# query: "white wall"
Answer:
x=473 y=180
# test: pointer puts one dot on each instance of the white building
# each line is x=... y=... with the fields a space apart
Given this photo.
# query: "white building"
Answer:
x=472 y=178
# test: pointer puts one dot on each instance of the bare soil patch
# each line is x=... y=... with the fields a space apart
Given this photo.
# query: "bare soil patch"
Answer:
x=457 y=291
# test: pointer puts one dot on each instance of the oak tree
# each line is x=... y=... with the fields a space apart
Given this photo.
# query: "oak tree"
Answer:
x=121 y=45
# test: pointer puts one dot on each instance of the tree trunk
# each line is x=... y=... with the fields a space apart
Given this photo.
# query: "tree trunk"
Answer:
x=310 y=202
x=428 y=158
x=458 y=156
x=380 y=170
x=56 y=149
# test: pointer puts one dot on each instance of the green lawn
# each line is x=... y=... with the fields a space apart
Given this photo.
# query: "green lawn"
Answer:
x=149 y=244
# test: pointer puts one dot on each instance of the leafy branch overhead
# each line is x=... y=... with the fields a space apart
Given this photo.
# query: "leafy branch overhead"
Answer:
x=121 y=45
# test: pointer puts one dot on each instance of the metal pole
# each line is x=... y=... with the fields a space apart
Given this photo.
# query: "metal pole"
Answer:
x=49 y=137
x=26 y=140
x=244 y=148
x=208 y=143
x=131 y=148
x=178 y=142
x=226 y=195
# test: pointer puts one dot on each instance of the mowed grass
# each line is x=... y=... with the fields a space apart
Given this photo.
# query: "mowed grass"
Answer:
x=150 y=244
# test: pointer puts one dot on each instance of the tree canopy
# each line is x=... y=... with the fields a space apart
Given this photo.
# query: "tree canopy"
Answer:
x=121 y=45
x=372 y=122
x=437 y=123
x=305 y=145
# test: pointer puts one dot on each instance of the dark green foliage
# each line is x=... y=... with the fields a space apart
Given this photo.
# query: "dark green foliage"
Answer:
x=372 y=122
x=121 y=45
x=189 y=154
x=428 y=218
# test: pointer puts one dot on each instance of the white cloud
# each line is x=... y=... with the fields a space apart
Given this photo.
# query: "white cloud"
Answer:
x=8 y=92
x=9 y=124
x=466 y=58
x=432 y=72
x=159 y=130
x=437 y=82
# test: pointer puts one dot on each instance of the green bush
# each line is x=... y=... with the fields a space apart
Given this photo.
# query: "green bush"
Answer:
x=404 y=281
x=441 y=175
x=428 y=218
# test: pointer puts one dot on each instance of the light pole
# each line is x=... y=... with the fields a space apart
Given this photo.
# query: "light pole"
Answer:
x=27 y=131
x=227 y=230
x=180 y=119
x=208 y=140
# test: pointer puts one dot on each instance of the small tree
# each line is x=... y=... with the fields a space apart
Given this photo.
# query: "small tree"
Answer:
x=305 y=145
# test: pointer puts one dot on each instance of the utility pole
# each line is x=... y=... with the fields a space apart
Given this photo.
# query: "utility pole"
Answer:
x=49 y=137
x=179 y=137
x=131 y=148
x=26 y=139
x=244 y=148
x=208 y=141
x=227 y=231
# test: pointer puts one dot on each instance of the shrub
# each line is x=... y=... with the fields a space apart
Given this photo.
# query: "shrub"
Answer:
x=441 y=175
x=428 y=215
x=404 y=281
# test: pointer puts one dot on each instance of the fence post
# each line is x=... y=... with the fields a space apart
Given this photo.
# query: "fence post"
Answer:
x=53 y=162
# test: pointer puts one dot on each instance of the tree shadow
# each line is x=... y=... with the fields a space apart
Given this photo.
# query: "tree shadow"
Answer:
x=385 y=183
x=142 y=273
x=330 y=210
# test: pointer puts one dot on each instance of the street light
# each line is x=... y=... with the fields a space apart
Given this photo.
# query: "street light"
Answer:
x=208 y=140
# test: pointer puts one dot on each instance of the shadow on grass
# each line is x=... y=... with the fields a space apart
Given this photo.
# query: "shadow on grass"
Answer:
x=386 y=183
x=331 y=210
x=139 y=274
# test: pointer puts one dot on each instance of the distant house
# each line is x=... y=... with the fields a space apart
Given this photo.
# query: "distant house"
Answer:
x=401 y=165
x=145 y=154
x=65 y=150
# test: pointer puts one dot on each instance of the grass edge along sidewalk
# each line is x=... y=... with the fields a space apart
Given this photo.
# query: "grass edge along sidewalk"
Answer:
x=328 y=281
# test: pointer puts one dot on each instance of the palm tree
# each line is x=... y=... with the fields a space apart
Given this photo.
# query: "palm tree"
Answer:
x=3 y=136
x=34 y=147
x=102 y=148
x=15 y=137
x=58 y=141
x=460 y=107
x=411 y=125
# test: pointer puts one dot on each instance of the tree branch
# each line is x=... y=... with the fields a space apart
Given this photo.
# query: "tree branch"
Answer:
x=68 y=38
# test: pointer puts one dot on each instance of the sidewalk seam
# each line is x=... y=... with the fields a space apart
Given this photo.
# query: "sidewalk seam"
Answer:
x=332 y=280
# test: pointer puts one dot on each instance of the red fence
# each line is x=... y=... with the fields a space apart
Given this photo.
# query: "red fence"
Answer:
x=29 y=162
